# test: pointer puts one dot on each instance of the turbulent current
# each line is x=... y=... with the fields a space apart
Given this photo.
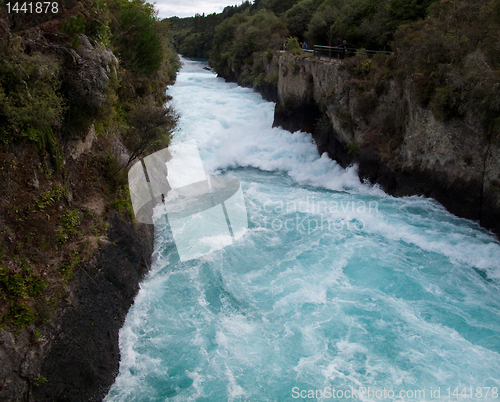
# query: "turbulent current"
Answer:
x=336 y=291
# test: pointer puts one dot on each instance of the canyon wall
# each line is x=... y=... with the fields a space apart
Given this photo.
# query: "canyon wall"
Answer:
x=73 y=355
x=396 y=143
x=77 y=352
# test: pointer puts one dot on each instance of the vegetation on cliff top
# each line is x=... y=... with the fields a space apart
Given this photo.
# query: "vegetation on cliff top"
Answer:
x=95 y=64
x=450 y=60
x=193 y=36
x=239 y=37
x=454 y=60
x=448 y=49
x=231 y=39
x=363 y=23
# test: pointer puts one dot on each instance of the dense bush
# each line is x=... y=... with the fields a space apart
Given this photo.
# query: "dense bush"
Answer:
x=453 y=59
x=29 y=97
x=319 y=29
x=293 y=45
x=149 y=130
x=137 y=41
x=276 y=6
x=297 y=18
x=239 y=37
x=366 y=24
x=193 y=36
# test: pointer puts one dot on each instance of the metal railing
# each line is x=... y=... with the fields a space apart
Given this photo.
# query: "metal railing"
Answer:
x=335 y=52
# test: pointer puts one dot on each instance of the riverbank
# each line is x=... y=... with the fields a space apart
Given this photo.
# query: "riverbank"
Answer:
x=82 y=93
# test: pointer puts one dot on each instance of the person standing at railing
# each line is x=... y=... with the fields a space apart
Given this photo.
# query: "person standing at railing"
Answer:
x=304 y=46
x=338 y=45
x=344 y=49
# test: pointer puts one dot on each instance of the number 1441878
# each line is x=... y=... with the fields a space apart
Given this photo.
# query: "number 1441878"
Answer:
x=38 y=7
x=473 y=392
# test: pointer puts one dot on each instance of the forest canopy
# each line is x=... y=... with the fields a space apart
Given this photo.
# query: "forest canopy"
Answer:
x=363 y=23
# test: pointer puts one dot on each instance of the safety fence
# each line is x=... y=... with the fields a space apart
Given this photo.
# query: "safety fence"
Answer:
x=338 y=52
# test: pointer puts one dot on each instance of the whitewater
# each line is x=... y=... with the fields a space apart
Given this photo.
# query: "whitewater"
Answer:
x=337 y=291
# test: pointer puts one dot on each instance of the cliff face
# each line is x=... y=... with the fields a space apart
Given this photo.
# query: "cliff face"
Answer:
x=70 y=257
x=72 y=353
x=77 y=352
x=396 y=143
x=82 y=358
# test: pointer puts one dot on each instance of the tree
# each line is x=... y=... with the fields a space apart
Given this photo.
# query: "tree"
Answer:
x=298 y=17
x=138 y=43
x=278 y=6
x=360 y=23
x=328 y=12
x=150 y=128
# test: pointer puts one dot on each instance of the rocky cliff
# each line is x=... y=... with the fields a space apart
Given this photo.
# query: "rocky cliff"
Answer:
x=77 y=352
x=80 y=84
x=377 y=123
x=70 y=352
x=80 y=346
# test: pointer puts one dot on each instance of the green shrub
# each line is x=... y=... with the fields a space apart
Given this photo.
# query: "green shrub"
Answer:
x=50 y=197
x=68 y=265
x=137 y=42
x=259 y=80
x=297 y=18
x=12 y=284
x=122 y=202
x=36 y=285
x=364 y=65
x=29 y=98
x=40 y=380
x=68 y=224
x=293 y=45
x=16 y=291
x=44 y=139
x=237 y=39
x=320 y=29
x=273 y=78
x=278 y=6
x=353 y=149
x=22 y=315
x=150 y=128
x=73 y=27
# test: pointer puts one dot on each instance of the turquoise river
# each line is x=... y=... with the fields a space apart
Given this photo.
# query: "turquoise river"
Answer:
x=337 y=291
